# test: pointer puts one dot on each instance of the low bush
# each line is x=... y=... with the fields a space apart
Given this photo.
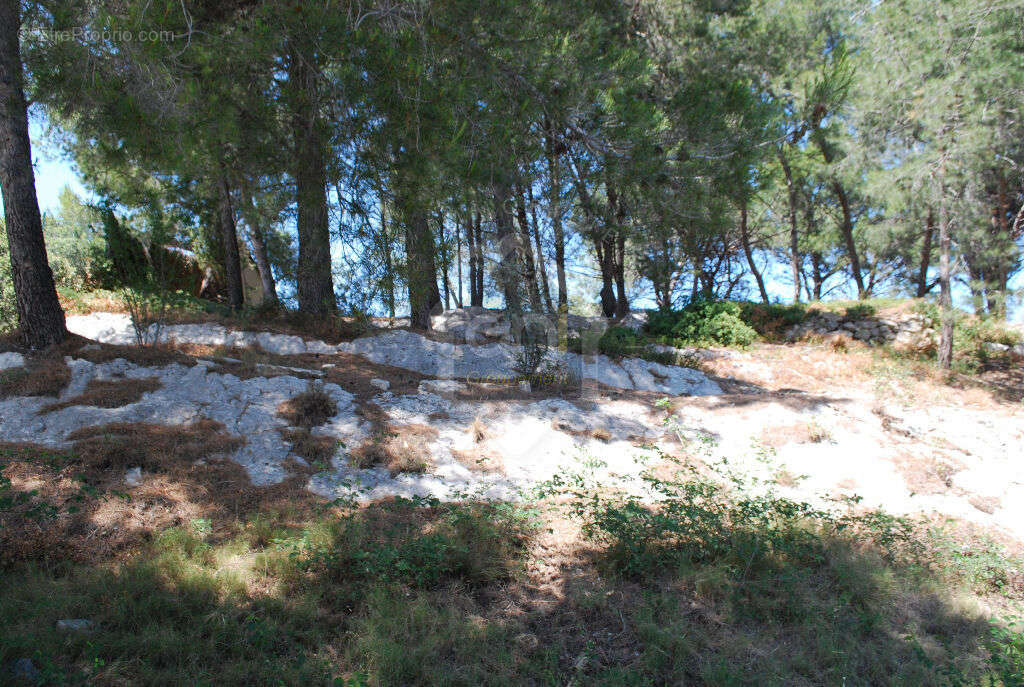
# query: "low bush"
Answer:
x=620 y=342
x=703 y=322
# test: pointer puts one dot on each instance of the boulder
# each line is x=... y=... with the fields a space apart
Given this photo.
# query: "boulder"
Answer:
x=10 y=360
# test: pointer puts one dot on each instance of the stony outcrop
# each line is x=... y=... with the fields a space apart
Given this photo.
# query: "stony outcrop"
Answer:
x=411 y=351
x=906 y=331
x=475 y=325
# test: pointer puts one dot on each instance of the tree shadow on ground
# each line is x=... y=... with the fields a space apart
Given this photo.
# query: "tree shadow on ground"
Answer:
x=413 y=592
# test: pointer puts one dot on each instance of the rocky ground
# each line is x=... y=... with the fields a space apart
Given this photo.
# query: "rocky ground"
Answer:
x=820 y=424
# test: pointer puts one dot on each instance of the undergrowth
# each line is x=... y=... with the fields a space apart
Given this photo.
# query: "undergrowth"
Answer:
x=692 y=574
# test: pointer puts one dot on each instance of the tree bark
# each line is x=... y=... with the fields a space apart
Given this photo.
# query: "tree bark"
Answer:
x=458 y=258
x=314 y=284
x=745 y=240
x=617 y=216
x=555 y=205
x=945 y=291
x=445 y=262
x=229 y=236
x=926 y=256
x=846 y=226
x=541 y=266
x=794 y=244
x=39 y=312
x=474 y=266
x=508 y=251
x=389 y=267
x=261 y=257
x=526 y=246
x=424 y=296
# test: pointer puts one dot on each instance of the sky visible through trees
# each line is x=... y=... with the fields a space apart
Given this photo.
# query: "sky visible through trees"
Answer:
x=653 y=153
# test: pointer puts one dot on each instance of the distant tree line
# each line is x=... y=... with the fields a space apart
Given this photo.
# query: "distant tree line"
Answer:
x=411 y=156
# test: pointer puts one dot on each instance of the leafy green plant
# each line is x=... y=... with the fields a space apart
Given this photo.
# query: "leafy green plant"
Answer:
x=474 y=543
x=620 y=342
x=703 y=322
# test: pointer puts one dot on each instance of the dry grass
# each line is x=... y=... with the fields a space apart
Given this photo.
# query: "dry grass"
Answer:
x=109 y=393
x=599 y=433
x=399 y=448
x=928 y=473
x=478 y=430
x=146 y=356
x=74 y=505
x=839 y=343
x=43 y=375
x=315 y=449
x=311 y=408
x=480 y=460
x=798 y=433
x=152 y=447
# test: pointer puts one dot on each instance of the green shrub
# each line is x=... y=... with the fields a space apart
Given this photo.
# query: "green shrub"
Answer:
x=618 y=342
x=473 y=543
x=703 y=322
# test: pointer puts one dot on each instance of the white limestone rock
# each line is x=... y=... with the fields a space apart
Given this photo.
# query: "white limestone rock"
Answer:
x=133 y=477
x=11 y=360
x=441 y=387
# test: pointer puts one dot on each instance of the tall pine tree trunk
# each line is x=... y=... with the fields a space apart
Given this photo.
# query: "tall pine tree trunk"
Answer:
x=471 y=249
x=794 y=243
x=508 y=256
x=745 y=240
x=526 y=246
x=229 y=237
x=445 y=261
x=389 y=268
x=458 y=259
x=314 y=284
x=258 y=240
x=541 y=266
x=926 y=255
x=846 y=226
x=945 y=290
x=39 y=311
x=424 y=296
x=555 y=208
x=479 y=230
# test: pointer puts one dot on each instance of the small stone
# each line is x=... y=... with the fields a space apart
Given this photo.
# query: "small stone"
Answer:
x=133 y=477
x=24 y=669
x=441 y=387
x=327 y=366
x=75 y=625
x=381 y=384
